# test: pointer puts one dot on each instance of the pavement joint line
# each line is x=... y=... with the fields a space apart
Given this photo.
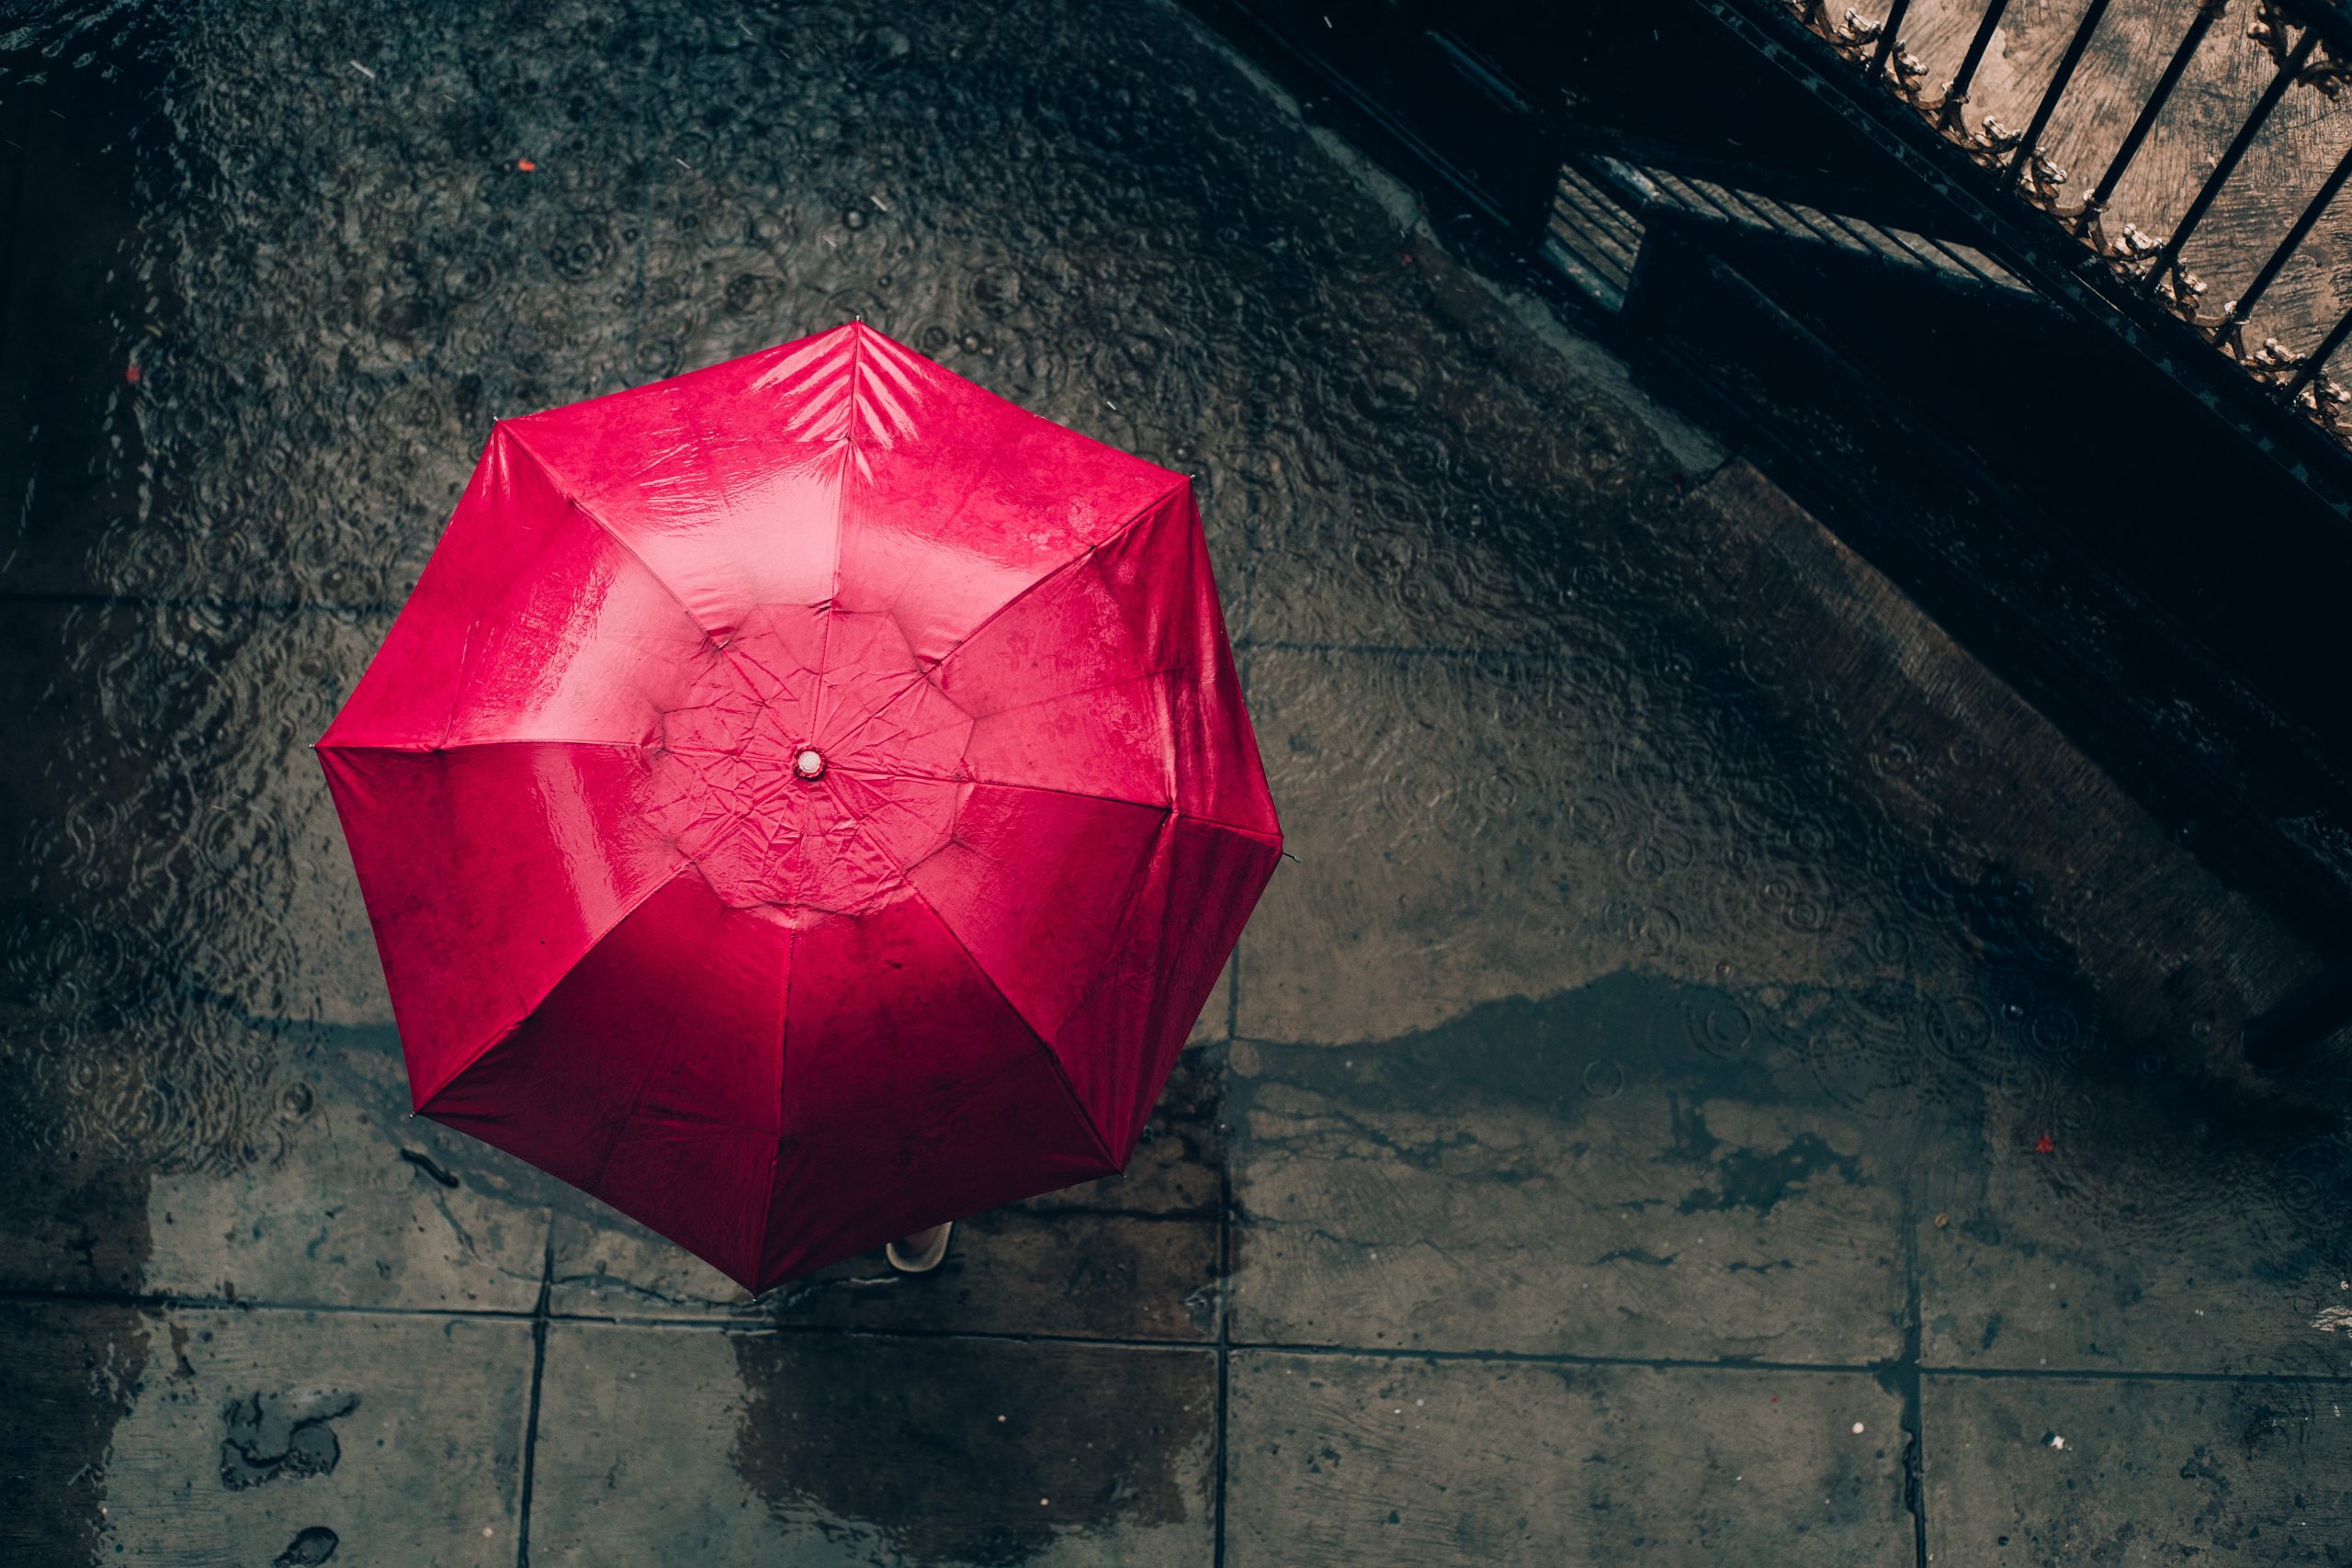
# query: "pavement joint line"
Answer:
x=2101 y=1374
x=1224 y=1302
x=742 y=1325
x=752 y=1330
x=540 y=1322
x=648 y=1320
x=1907 y=1384
x=1224 y=1404
x=1559 y=1358
x=148 y=1300
x=1866 y=1368
x=747 y=1326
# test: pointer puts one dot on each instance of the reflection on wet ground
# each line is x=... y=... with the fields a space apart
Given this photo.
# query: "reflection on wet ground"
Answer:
x=1722 y=1079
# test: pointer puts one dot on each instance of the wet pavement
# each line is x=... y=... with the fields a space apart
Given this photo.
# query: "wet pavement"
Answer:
x=1722 y=1080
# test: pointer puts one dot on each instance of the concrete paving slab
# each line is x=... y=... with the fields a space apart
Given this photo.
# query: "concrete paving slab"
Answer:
x=340 y=1198
x=2028 y=1471
x=261 y=1437
x=356 y=1203
x=1921 y=940
x=1371 y=1459
x=194 y=1021
x=1433 y=807
x=67 y=1376
x=2174 y=1224
x=1574 y=1176
x=660 y=1445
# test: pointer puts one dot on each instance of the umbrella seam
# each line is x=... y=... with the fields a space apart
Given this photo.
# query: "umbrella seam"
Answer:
x=1059 y=572
x=1160 y=836
x=635 y=1099
x=1112 y=537
x=775 y=1164
x=506 y=1032
x=783 y=1043
x=571 y=494
x=1061 y=1074
x=441 y=747
x=841 y=525
x=1156 y=673
x=1261 y=834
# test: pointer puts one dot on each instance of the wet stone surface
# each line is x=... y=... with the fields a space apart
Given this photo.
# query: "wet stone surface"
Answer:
x=2062 y=1469
x=253 y=1436
x=1378 y=1460
x=1706 y=1012
x=1582 y=1175
x=737 y=1445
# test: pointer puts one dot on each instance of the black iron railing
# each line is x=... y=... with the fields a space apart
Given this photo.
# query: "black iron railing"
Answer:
x=2309 y=43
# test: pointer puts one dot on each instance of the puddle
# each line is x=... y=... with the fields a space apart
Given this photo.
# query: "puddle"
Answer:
x=988 y=1453
x=289 y=1434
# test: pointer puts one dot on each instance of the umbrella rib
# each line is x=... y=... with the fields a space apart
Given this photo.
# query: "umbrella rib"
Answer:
x=435 y=747
x=841 y=525
x=1152 y=674
x=776 y=1152
x=1259 y=834
x=1061 y=1073
x=783 y=1041
x=506 y=1032
x=637 y=1095
x=1079 y=559
x=1112 y=537
x=571 y=493
x=1160 y=838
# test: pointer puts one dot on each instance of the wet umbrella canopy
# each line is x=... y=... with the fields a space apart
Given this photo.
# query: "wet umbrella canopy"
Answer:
x=805 y=800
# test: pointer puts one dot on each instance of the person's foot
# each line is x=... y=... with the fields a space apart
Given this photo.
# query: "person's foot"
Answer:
x=920 y=1253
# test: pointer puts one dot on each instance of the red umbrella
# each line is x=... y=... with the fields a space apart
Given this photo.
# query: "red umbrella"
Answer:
x=804 y=801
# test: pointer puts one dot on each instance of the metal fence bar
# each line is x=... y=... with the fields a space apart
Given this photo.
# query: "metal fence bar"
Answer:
x=2284 y=78
x=1956 y=94
x=2318 y=361
x=1886 y=37
x=2243 y=306
x=2049 y=105
x=2207 y=14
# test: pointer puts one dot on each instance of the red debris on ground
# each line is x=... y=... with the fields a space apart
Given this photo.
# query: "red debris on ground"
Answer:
x=131 y=373
x=525 y=166
x=2045 y=1144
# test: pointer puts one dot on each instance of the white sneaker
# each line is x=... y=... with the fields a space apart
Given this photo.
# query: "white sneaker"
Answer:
x=923 y=1258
